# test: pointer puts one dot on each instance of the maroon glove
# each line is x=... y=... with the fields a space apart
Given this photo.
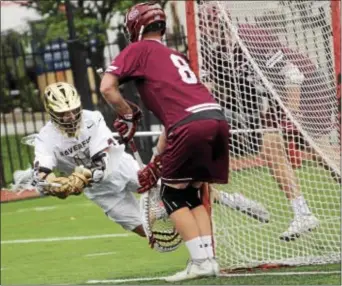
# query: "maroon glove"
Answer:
x=127 y=124
x=149 y=176
x=288 y=127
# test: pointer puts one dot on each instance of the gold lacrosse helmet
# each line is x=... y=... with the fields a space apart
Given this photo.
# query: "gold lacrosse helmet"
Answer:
x=63 y=103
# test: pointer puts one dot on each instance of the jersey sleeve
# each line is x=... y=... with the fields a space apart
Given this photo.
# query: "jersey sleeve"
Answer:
x=102 y=137
x=270 y=54
x=44 y=155
x=282 y=63
x=128 y=64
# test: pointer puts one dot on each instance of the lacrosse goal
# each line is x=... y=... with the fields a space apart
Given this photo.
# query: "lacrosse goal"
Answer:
x=305 y=34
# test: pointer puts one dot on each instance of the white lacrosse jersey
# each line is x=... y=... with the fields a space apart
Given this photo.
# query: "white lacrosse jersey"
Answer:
x=54 y=150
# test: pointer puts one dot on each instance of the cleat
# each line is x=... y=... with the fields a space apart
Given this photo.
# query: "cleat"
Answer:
x=300 y=225
x=247 y=206
x=216 y=267
x=207 y=268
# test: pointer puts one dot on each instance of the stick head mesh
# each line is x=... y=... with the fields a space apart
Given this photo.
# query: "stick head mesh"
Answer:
x=158 y=227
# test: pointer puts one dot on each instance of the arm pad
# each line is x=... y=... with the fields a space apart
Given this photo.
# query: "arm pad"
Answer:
x=99 y=166
x=41 y=174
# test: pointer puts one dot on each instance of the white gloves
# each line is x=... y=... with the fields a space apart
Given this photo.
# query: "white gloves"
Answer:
x=98 y=175
x=293 y=76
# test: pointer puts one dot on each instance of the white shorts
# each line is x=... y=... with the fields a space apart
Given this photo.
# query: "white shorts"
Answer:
x=115 y=195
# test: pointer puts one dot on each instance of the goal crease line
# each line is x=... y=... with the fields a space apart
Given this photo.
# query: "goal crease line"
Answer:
x=280 y=273
x=221 y=275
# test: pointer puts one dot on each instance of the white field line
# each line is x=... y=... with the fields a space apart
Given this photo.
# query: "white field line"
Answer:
x=124 y=280
x=114 y=281
x=35 y=209
x=43 y=209
x=58 y=239
x=99 y=254
x=47 y=208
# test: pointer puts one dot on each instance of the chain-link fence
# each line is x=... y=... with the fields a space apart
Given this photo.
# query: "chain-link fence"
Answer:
x=28 y=67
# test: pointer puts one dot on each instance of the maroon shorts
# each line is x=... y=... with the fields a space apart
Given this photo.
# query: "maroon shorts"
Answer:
x=197 y=151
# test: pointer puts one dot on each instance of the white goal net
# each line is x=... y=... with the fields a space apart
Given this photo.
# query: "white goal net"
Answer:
x=270 y=64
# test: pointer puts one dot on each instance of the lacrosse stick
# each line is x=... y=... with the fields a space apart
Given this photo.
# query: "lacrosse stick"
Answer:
x=158 y=227
x=23 y=180
x=29 y=139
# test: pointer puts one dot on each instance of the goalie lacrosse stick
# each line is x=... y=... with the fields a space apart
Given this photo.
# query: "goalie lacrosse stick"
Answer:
x=158 y=228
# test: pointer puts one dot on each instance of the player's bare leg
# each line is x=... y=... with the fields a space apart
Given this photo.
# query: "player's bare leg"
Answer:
x=194 y=226
x=313 y=156
x=205 y=227
x=274 y=153
x=324 y=140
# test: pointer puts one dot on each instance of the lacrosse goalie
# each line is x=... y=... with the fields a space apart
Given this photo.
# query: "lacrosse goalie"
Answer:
x=78 y=142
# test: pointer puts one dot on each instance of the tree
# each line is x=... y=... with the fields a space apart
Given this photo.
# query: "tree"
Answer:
x=14 y=74
x=91 y=20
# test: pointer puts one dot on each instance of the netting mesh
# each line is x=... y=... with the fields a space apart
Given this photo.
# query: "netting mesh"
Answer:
x=270 y=64
x=158 y=227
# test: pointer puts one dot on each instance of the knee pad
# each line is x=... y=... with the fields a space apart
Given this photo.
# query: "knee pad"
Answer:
x=175 y=199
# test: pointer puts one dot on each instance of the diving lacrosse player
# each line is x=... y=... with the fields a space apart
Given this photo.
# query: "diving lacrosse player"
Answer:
x=195 y=143
x=78 y=142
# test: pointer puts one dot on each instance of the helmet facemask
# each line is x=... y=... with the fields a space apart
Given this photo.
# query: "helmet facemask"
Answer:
x=68 y=122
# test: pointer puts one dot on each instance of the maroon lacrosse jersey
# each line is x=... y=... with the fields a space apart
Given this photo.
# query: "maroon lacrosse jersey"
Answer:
x=166 y=84
x=271 y=56
x=263 y=45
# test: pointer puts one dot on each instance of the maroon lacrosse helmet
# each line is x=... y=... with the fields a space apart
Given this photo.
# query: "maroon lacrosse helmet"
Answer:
x=142 y=15
x=211 y=20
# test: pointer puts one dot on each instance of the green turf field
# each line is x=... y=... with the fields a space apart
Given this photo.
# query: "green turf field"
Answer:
x=50 y=241
x=251 y=241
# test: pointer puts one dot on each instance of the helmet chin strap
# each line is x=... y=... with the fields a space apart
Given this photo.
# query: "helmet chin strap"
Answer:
x=141 y=32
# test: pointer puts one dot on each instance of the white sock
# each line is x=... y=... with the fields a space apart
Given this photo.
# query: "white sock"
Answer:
x=208 y=245
x=196 y=249
x=300 y=206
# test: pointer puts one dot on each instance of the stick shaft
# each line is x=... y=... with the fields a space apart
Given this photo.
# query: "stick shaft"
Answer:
x=131 y=143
